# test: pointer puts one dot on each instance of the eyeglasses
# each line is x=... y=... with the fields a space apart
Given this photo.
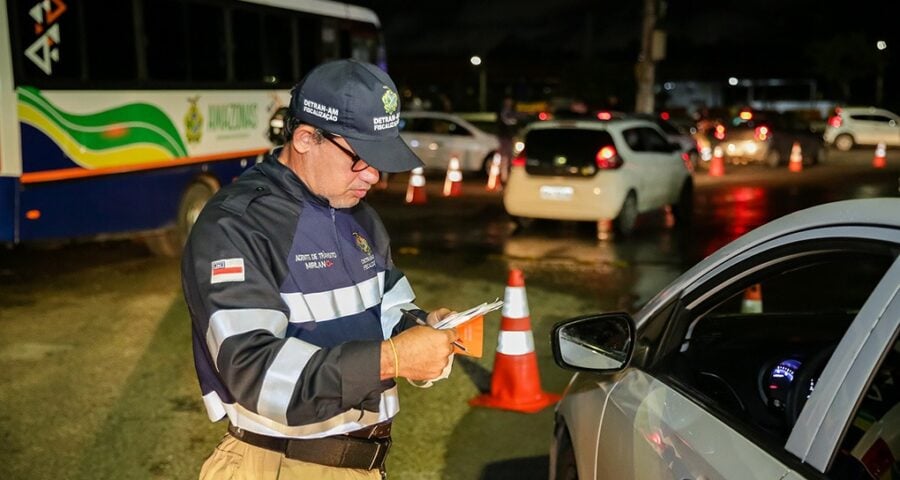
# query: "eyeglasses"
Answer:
x=355 y=166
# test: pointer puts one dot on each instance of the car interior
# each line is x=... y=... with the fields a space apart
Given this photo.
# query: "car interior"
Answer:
x=755 y=359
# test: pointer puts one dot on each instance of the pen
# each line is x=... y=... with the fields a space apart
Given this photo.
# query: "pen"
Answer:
x=412 y=316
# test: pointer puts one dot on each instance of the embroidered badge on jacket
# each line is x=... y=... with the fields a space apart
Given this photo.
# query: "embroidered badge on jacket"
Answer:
x=227 y=270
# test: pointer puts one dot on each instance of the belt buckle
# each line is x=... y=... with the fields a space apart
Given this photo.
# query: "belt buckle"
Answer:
x=381 y=451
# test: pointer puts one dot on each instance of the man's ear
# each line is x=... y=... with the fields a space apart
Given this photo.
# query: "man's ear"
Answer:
x=301 y=140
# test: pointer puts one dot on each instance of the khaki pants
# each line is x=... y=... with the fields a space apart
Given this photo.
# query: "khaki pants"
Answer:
x=234 y=459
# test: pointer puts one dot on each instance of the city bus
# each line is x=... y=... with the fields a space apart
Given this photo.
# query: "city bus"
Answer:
x=121 y=118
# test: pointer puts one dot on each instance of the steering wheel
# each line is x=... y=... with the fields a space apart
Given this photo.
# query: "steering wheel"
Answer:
x=805 y=380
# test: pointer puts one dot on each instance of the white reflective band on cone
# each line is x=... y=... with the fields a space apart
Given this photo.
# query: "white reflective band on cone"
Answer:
x=515 y=303
x=515 y=343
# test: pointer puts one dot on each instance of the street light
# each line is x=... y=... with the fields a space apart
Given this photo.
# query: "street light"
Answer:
x=475 y=60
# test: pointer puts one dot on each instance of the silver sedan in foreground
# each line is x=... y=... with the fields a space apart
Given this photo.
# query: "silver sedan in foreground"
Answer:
x=774 y=358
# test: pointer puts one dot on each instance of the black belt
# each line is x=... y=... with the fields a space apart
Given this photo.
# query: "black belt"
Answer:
x=363 y=449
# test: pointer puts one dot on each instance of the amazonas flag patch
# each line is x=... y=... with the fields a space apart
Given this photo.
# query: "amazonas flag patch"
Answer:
x=227 y=270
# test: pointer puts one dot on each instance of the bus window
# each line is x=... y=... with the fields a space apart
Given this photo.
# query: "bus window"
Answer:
x=246 y=30
x=309 y=38
x=330 y=48
x=166 y=37
x=109 y=34
x=277 y=63
x=206 y=51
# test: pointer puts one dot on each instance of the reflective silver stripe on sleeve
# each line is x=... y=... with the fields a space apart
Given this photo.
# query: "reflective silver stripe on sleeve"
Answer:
x=281 y=379
x=332 y=304
x=228 y=323
x=399 y=296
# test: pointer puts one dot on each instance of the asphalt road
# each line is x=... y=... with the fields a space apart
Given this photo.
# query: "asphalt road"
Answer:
x=95 y=352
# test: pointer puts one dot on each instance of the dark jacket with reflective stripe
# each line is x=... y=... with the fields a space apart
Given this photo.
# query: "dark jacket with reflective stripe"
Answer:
x=289 y=300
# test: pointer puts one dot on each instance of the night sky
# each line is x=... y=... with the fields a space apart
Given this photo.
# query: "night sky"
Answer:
x=588 y=48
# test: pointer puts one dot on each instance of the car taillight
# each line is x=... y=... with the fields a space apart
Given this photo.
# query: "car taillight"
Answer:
x=664 y=115
x=720 y=132
x=835 y=121
x=604 y=116
x=608 y=159
x=518 y=160
x=761 y=133
x=543 y=116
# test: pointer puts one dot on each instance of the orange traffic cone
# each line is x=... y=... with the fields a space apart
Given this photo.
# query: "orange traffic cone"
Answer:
x=415 y=192
x=880 y=160
x=453 y=181
x=796 y=163
x=717 y=164
x=493 y=183
x=515 y=382
x=752 y=302
x=604 y=229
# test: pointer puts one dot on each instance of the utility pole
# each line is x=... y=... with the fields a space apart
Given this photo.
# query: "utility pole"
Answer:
x=645 y=69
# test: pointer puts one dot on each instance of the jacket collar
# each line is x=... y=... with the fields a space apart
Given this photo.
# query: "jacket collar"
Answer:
x=287 y=180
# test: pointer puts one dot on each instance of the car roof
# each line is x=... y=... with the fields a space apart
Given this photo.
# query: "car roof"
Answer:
x=588 y=124
x=852 y=110
x=860 y=212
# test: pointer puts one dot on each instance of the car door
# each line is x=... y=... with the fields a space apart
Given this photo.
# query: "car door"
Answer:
x=638 y=168
x=710 y=399
x=417 y=133
x=876 y=128
x=458 y=141
x=670 y=167
x=856 y=394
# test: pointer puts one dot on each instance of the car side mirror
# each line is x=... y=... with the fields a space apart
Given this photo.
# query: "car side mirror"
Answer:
x=600 y=343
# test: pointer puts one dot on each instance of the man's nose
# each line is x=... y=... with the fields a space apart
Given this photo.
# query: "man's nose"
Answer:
x=369 y=175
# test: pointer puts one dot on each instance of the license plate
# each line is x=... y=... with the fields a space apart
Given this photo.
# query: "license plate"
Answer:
x=554 y=192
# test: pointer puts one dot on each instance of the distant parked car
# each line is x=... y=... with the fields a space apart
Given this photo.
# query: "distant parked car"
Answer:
x=768 y=137
x=754 y=364
x=852 y=126
x=437 y=136
x=591 y=170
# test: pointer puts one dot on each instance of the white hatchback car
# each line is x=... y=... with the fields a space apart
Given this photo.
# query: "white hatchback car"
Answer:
x=436 y=137
x=851 y=126
x=588 y=170
x=799 y=379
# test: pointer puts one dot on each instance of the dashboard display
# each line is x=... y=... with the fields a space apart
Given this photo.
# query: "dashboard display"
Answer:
x=777 y=382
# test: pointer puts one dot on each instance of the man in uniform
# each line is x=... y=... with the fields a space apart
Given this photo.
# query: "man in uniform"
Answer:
x=296 y=305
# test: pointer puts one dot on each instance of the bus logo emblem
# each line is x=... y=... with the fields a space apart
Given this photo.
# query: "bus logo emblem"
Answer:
x=193 y=121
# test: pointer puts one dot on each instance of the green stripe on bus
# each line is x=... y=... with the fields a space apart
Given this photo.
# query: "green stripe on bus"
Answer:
x=117 y=127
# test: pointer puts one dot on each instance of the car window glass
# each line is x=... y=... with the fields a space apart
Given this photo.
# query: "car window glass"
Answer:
x=442 y=127
x=454 y=128
x=633 y=139
x=653 y=141
x=865 y=451
x=742 y=347
x=871 y=118
x=668 y=127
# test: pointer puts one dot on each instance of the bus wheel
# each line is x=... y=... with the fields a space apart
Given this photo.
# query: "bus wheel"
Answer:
x=170 y=242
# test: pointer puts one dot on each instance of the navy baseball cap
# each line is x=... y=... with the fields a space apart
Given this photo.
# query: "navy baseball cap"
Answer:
x=359 y=102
